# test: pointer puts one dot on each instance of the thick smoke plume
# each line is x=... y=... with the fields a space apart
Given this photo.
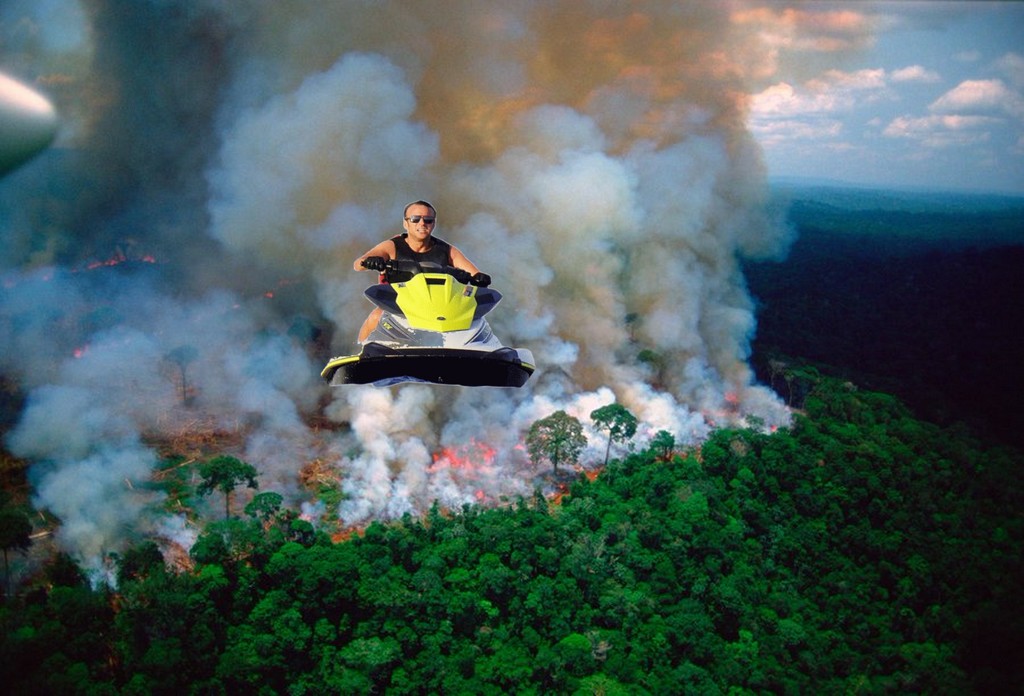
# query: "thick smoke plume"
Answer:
x=183 y=254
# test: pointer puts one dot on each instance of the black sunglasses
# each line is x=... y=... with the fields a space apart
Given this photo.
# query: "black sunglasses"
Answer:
x=416 y=218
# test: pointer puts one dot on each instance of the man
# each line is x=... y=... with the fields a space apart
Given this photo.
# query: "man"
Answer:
x=419 y=244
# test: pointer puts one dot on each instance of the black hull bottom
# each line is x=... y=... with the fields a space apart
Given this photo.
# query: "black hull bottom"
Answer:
x=383 y=366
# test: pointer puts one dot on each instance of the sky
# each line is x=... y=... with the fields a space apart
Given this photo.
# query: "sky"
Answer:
x=902 y=94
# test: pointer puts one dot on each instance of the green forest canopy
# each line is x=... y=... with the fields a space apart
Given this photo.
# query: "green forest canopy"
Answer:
x=860 y=551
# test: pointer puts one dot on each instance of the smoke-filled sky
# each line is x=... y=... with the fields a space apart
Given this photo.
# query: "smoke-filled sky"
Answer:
x=179 y=262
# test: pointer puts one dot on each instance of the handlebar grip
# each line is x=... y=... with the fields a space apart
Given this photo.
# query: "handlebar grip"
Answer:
x=374 y=263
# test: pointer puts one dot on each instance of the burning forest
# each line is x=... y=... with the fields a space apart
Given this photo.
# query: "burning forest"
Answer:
x=177 y=264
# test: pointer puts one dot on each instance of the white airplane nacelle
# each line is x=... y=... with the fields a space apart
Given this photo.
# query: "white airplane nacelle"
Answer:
x=28 y=123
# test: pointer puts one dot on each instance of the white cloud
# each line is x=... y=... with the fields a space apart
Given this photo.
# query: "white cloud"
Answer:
x=785 y=100
x=833 y=91
x=812 y=113
x=942 y=130
x=979 y=95
x=772 y=132
x=972 y=113
x=915 y=73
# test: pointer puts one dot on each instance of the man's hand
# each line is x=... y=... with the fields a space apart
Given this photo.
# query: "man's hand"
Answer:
x=481 y=280
x=374 y=263
x=459 y=275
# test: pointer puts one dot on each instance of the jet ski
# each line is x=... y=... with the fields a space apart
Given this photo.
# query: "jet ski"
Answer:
x=432 y=330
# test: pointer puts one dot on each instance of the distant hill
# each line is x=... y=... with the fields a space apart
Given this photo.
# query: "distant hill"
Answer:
x=850 y=194
x=899 y=222
x=917 y=294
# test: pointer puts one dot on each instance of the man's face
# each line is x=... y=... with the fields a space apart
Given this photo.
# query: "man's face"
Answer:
x=421 y=229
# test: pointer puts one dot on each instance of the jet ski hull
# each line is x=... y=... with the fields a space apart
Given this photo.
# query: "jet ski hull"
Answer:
x=431 y=329
x=381 y=366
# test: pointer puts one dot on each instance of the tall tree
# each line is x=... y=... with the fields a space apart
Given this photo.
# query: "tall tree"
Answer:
x=224 y=473
x=264 y=506
x=663 y=443
x=558 y=438
x=618 y=421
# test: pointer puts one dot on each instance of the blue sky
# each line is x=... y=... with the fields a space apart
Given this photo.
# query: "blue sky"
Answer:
x=908 y=94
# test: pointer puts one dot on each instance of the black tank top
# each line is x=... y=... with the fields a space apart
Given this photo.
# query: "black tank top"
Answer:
x=440 y=252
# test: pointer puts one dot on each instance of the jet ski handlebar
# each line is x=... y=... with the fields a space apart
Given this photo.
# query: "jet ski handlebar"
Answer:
x=379 y=263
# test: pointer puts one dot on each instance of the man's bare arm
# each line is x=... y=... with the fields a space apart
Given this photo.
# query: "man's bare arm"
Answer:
x=385 y=249
x=459 y=260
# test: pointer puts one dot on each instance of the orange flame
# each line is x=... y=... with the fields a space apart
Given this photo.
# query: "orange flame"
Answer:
x=466 y=462
x=470 y=457
x=117 y=259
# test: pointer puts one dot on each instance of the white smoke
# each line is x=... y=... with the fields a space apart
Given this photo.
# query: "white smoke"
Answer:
x=592 y=159
x=96 y=499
